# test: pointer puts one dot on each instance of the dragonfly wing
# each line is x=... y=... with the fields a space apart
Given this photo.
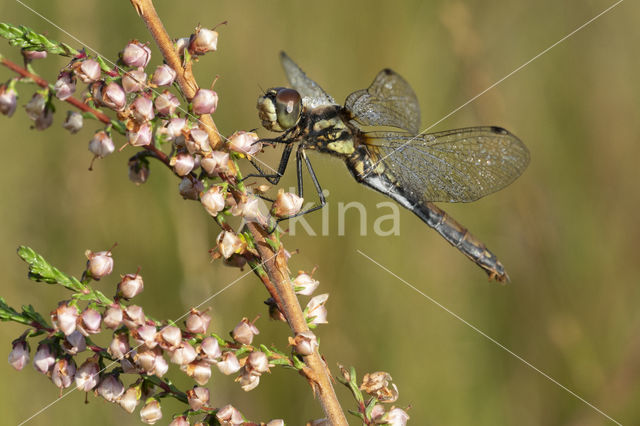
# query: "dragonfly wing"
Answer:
x=307 y=88
x=460 y=165
x=389 y=101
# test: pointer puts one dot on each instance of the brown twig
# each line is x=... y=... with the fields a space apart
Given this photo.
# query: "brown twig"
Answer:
x=274 y=263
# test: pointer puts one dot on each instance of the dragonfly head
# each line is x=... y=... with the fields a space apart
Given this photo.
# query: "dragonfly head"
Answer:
x=279 y=109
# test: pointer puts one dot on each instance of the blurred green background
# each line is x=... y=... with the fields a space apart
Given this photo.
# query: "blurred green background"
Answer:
x=567 y=230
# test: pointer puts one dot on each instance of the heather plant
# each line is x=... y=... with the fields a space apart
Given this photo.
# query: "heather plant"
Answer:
x=162 y=116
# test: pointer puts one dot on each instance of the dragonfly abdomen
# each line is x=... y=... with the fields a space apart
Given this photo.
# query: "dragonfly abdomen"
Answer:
x=460 y=237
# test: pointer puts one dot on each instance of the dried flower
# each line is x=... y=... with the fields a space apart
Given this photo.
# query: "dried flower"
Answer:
x=198 y=142
x=190 y=188
x=130 y=399
x=170 y=337
x=213 y=200
x=89 y=322
x=63 y=372
x=166 y=103
x=44 y=358
x=257 y=362
x=151 y=412
x=215 y=163
x=8 y=100
x=209 y=349
x=140 y=137
x=88 y=71
x=30 y=55
x=198 y=397
x=64 y=318
x=101 y=144
x=113 y=96
x=244 y=331
x=395 y=416
x=135 y=54
x=229 y=363
x=174 y=127
x=179 y=421
x=19 y=355
x=133 y=316
x=248 y=380
x=134 y=81
x=119 y=346
x=182 y=163
x=65 y=85
x=229 y=415
x=73 y=123
x=304 y=284
x=203 y=41
x=184 y=354
x=74 y=343
x=35 y=107
x=304 y=343
x=110 y=388
x=130 y=286
x=200 y=371
x=164 y=75
x=99 y=264
x=44 y=120
x=197 y=322
x=205 y=101
x=286 y=204
x=276 y=422
x=316 y=312
x=87 y=375
x=138 y=170
x=112 y=317
x=245 y=142
x=146 y=334
x=377 y=384
x=142 y=109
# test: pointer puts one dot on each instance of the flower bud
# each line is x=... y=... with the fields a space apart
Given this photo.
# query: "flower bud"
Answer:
x=87 y=375
x=130 y=399
x=65 y=85
x=198 y=142
x=182 y=163
x=133 y=316
x=164 y=75
x=316 y=312
x=119 y=346
x=73 y=122
x=74 y=343
x=170 y=337
x=44 y=359
x=180 y=421
x=138 y=171
x=203 y=41
x=248 y=380
x=190 y=189
x=112 y=317
x=140 y=137
x=200 y=371
x=213 y=200
x=166 y=103
x=35 y=107
x=209 y=349
x=8 y=100
x=229 y=243
x=184 y=354
x=229 y=363
x=101 y=144
x=245 y=142
x=244 y=332
x=216 y=163
x=198 y=397
x=151 y=412
x=130 y=286
x=229 y=415
x=286 y=204
x=113 y=96
x=134 y=81
x=64 y=318
x=304 y=284
x=63 y=373
x=89 y=322
x=142 y=109
x=204 y=102
x=100 y=264
x=197 y=322
x=304 y=343
x=88 y=71
x=257 y=362
x=135 y=54
x=19 y=355
x=110 y=388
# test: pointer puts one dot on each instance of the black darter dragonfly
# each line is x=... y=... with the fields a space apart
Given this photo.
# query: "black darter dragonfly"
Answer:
x=414 y=169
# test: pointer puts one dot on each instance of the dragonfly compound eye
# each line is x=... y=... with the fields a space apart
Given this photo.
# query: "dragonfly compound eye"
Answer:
x=288 y=107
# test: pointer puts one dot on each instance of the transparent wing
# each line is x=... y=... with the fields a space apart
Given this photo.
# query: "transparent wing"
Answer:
x=453 y=166
x=389 y=101
x=304 y=85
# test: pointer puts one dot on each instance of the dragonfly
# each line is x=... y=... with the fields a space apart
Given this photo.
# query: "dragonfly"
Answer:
x=377 y=135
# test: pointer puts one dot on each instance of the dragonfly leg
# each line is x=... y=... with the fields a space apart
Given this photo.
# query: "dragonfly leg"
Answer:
x=272 y=178
x=460 y=237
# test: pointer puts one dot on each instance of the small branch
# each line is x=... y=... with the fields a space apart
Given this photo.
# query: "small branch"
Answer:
x=274 y=263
